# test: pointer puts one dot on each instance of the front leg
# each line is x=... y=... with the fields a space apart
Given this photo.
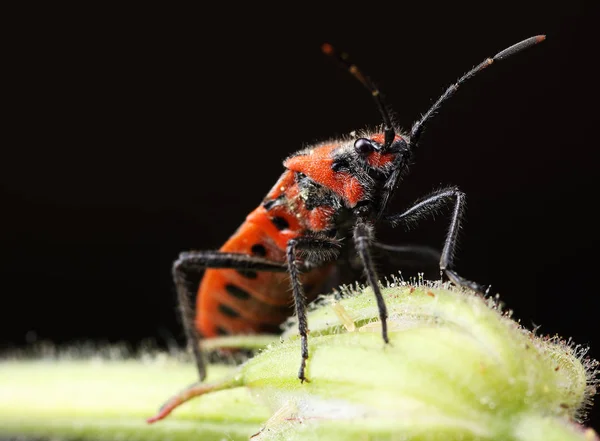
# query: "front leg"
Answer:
x=363 y=238
x=429 y=206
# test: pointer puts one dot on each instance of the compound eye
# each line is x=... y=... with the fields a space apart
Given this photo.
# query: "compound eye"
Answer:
x=364 y=146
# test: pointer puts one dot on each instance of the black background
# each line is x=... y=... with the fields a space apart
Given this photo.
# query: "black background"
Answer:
x=136 y=134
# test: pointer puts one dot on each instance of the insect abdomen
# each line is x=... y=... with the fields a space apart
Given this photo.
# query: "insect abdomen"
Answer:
x=245 y=302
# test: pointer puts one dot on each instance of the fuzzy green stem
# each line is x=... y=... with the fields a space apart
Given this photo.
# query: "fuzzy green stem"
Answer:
x=111 y=400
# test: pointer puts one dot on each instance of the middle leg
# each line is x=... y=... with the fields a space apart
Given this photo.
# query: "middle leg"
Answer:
x=312 y=249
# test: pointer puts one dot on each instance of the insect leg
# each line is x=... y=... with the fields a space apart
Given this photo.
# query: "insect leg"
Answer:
x=197 y=261
x=363 y=238
x=311 y=247
x=429 y=206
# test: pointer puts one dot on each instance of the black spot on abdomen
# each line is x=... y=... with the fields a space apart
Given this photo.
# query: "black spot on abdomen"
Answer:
x=280 y=223
x=228 y=311
x=237 y=292
x=259 y=250
x=221 y=331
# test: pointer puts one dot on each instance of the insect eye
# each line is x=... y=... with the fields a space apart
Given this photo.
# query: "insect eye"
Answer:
x=363 y=146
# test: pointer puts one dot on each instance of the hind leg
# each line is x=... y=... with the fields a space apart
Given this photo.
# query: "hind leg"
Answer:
x=197 y=261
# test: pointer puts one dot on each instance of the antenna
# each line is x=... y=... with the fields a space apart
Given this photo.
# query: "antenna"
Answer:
x=342 y=58
x=417 y=127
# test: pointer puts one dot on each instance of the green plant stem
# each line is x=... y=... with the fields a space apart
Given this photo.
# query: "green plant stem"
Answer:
x=110 y=400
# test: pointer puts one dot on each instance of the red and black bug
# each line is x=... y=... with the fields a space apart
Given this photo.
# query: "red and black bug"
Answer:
x=328 y=192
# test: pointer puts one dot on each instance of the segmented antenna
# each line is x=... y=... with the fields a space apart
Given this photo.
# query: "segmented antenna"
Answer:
x=417 y=127
x=518 y=47
x=342 y=58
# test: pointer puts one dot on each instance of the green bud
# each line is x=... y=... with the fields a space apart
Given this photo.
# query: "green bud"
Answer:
x=456 y=368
